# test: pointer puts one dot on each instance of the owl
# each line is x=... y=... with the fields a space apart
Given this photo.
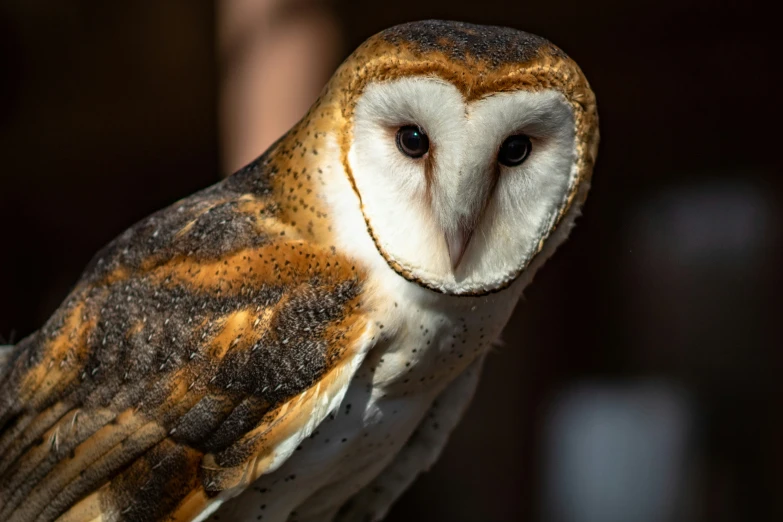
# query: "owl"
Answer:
x=297 y=342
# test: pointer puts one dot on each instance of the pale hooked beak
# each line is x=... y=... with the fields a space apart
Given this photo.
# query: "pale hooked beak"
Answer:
x=457 y=241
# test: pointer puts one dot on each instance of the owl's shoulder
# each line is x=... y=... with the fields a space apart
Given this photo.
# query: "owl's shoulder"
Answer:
x=226 y=217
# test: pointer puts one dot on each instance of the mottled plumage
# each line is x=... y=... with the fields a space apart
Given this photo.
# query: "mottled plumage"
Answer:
x=271 y=336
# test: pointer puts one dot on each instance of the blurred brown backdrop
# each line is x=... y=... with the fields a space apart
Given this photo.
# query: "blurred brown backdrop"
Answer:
x=673 y=275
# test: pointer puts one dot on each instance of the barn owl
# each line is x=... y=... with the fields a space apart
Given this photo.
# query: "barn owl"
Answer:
x=297 y=341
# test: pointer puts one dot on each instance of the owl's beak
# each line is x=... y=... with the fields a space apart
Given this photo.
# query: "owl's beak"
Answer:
x=457 y=241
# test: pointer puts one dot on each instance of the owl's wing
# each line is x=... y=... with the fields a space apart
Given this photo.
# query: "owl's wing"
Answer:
x=195 y=353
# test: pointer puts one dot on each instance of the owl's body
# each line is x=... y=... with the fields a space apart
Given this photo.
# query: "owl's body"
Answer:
x=301 y=338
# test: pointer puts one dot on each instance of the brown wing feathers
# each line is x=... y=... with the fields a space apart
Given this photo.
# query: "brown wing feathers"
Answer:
x=187 y=334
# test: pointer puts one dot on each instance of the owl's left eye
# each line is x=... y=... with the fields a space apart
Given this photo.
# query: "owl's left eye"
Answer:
x=412 y=141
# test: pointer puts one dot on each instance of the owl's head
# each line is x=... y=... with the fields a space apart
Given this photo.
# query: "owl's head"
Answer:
x=466 y=146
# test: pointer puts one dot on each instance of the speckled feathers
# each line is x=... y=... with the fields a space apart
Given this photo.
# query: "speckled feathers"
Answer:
x=185 y=334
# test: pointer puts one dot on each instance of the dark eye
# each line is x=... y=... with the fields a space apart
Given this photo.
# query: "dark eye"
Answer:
x=514 y=150
x=412 y=141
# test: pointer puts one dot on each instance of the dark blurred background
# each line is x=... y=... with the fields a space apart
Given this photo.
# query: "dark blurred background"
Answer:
x=641 y=377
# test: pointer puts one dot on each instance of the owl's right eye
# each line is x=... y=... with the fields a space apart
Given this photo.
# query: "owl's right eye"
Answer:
x=412 y=141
